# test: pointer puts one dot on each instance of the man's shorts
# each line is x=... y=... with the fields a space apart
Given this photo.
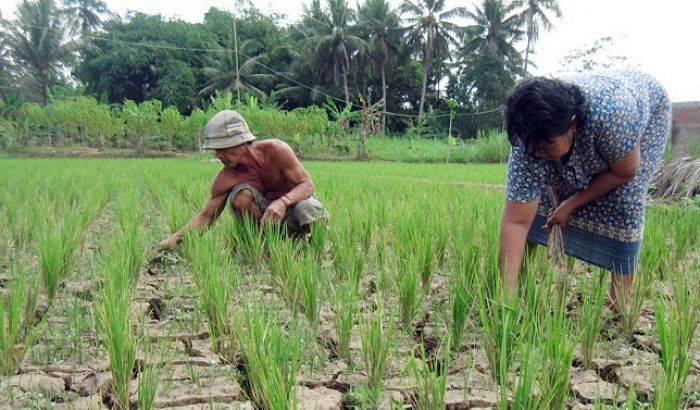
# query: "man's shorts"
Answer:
x=303 y=213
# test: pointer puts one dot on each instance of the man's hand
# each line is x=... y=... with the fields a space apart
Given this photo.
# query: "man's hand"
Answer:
x=275 y=212
x=559 y=216
x=168 y=244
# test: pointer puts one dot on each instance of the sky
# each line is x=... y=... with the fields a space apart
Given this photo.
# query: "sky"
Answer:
x=659 y=37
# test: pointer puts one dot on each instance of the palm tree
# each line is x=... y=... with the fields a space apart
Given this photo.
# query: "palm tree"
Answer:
x=40 y=43
x=495 y=29
x=382 y=23
x=430 y=28
x=488 y=57
x=534 y=15
x=87 y=14
x=331 y=41
x=222 y=75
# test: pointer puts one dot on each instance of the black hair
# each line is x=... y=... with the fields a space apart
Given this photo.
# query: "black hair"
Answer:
x=539 y=109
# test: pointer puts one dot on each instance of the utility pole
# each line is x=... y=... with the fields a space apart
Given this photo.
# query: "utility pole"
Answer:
x=235 y=48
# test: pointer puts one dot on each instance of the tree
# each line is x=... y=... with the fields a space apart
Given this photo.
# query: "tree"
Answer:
x=331 y=41
x=87 y=14
x=222 y=74
x=430 y=29
x=488 y=59
x=534 y=15
x=383 y=26
x=39 y=40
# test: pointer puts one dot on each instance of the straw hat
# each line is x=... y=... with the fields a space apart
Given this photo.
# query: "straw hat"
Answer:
x=226 y=129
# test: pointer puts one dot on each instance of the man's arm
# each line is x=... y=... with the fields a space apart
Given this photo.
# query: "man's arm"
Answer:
x=287 y=161
x=516 y=222
x=211 y=211
x=619 y=173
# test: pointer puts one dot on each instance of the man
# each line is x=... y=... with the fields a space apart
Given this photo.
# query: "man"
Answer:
x=260 y=179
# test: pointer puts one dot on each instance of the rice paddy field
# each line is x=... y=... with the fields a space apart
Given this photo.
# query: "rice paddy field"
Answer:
x=396 y=304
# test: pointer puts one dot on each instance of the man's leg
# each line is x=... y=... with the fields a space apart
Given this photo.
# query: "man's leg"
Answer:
x=305 y=213
x=244 y=204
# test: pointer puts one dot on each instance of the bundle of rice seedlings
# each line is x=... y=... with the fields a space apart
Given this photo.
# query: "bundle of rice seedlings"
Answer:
x=677 y=179
x=555 y=250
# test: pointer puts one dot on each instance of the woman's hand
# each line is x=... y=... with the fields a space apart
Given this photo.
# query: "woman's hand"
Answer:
x=560 y=215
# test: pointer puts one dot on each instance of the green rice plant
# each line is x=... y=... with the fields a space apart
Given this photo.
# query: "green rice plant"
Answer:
x=501 y=318
x=318 y=240
x=630 y=305
x=57 y=250
x=556 y=356
x=271 y=358
x=676 y=321
x=593 y=292
x=113 y=313
x=461 y=293
x=308 y=284
x=528 y=371
x=348 y=259
x=149 y=375
x=409 y=289
x=430 y=380
x=18 y=327
x=376 y=337
x=344 y=314
x=249 y=241
x=215 y=277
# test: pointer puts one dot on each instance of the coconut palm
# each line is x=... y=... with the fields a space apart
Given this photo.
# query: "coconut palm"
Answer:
x=88 y=14
x=534 y=15
x=382 y=25
x=40 y=43
x=495 y=29
x=222 y=75
x=430 y=28
x=331 y=41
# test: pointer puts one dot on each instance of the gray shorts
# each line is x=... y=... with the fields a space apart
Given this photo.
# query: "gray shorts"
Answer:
x=303 y=213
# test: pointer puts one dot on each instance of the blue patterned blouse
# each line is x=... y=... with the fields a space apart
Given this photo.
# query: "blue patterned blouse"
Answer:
x=621 y=108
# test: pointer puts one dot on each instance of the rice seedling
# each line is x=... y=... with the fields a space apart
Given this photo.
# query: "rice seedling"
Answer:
x=409 y=289
x=18 y=327
x=630 y=303
x=249 y=241
x=271 y=358
x=344 y=315
x=113 y=313
x=430 y=379
x=376 y=339
x=57 y=250
x=593 y=292
x=556 y=357
x=461 y=293
x=149 y=376
x=676 y=321
x=308 y=284
x=215 y=276
x=347 y=257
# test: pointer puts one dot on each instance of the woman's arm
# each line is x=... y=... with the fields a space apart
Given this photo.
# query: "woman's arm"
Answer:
x=619 y=173
x=517 y=218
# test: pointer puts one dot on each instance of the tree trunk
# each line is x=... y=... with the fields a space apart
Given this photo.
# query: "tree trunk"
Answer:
x=527 y=51
x=345 y=88
x=422 y=93
x=383 y=98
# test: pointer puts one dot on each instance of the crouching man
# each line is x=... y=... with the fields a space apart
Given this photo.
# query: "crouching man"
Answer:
x=260 y=179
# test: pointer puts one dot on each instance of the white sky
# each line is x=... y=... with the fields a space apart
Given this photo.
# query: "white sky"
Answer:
x=659 y=37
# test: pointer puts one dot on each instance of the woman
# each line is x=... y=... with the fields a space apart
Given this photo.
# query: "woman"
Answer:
x=596 y=139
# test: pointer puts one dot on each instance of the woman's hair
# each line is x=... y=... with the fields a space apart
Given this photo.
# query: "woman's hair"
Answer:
x=539 y=109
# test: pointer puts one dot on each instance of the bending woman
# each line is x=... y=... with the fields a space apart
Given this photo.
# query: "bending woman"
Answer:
x=596 y=139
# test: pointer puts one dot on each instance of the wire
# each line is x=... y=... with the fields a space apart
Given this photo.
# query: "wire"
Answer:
x=272 y=70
